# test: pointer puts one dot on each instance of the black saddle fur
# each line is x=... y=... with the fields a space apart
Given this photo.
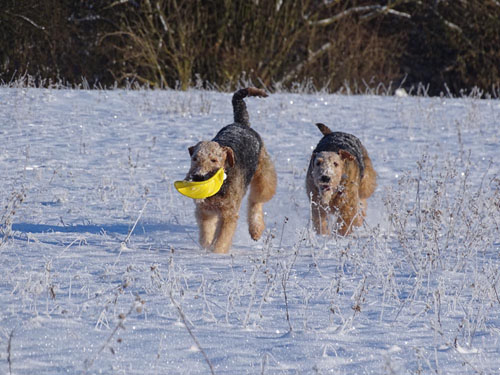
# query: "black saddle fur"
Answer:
x=336 y=141
x=245 y=142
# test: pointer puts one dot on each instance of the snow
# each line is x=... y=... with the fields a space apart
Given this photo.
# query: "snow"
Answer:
x=101 y=271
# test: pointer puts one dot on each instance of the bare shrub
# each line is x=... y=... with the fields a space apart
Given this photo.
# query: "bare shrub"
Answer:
x=166 y=43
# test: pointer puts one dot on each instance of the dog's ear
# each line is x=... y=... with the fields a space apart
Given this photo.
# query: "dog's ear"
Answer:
x=191 y=150
x=325 y=130
x=229 y=155
x=345 y=155
x=313 y=157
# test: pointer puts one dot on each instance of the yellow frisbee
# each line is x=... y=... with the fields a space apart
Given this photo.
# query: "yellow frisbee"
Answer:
x=201 y=189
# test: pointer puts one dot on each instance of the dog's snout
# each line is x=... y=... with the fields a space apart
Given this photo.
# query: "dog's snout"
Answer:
x=325 y=179
x=197 y=177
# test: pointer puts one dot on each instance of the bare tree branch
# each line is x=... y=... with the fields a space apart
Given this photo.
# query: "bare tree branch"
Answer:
x=190 y=331
x=387 y=10
x=373 y=9
x=312 y=57
x=120 y=2
x=33 y=23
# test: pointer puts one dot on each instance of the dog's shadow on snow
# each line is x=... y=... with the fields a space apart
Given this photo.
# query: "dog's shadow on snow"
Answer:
x=116 y=229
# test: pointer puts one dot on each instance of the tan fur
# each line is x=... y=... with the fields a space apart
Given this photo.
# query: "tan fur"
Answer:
x=262 y=189
x=217 y=216
x=344 y=196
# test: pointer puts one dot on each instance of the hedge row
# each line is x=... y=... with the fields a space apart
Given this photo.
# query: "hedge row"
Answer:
x=448 y=45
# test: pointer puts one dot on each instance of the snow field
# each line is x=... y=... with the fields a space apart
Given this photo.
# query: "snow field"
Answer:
x=102 y=272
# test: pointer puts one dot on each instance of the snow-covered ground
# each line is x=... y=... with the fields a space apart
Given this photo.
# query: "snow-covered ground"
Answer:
x=101 y=271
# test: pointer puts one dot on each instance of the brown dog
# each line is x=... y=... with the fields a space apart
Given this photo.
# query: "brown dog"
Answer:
x=339 y=180
x=240 y=151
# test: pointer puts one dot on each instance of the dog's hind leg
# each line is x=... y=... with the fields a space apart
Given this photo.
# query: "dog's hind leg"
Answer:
x=256 y=224
x=369 y=180
x=262 y=189
x=363 y=204
x=207 y=223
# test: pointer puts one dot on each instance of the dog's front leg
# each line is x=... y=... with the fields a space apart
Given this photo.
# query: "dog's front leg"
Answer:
x=319 y=218
x=350 y=215
x=207 y=223
x=226 y=228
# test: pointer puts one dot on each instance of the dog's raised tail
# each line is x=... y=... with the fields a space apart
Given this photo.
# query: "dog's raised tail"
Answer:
x=239 y=106
x=323 y=128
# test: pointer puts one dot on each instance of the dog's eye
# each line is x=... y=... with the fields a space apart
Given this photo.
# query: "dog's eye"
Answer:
x=214 y=160
x=318 y=162
x=195 y=158
x=335 y=164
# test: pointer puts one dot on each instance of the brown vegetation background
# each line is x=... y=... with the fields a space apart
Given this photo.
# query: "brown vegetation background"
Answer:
x=448 y=46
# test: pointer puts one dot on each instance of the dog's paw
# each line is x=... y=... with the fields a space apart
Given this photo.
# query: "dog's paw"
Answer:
x=256 y=231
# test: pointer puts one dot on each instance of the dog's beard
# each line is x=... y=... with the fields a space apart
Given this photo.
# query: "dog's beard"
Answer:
x=325 y=192
x=326 y=196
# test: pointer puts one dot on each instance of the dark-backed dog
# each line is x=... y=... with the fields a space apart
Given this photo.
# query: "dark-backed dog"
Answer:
x=240 y=151
x=339 y=180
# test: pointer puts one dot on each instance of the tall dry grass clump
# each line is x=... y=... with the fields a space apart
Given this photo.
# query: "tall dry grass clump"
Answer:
x=445 y=216
x=442 y=217
x=167 y=42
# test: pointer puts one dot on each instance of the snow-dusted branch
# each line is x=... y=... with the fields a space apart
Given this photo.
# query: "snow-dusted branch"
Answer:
x=30 y=21
x=372 y=9
x=190 y=331
x=9 y=351
x=312 y=57
x=120 y=2
x=136 y=306
x=387 y=10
